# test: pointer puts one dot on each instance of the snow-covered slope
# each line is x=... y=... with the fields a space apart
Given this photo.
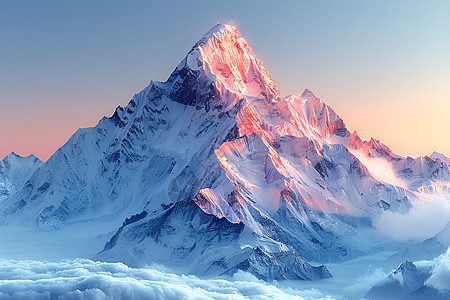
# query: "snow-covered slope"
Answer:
x=214 y=172
x=186 y=239
x=14 y=172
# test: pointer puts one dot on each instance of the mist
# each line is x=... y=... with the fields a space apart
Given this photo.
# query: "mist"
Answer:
x=380 y=168
x=423 y=220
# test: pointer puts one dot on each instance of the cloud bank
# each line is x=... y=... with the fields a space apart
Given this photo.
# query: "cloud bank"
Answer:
x=440 y=273
x=363 y=283
x=86 y=279
x=423 y=220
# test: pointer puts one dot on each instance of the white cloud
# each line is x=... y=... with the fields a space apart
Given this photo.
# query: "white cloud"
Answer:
x=365 y=282
x=440 y=274
x=423 y=220
x=86 y=279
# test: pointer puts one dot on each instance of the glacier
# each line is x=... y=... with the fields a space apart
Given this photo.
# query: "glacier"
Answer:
x=212 y=173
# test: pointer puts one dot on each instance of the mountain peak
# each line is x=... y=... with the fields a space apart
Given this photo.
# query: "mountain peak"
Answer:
x=225 y=59
x=217 y=30
x=14 y=155
x=308 y=94
x=441 y=156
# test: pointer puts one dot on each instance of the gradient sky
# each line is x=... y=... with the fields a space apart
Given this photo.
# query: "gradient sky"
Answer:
x=384 y=66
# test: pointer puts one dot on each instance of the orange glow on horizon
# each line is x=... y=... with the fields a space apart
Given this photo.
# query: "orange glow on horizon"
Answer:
x=415 y=127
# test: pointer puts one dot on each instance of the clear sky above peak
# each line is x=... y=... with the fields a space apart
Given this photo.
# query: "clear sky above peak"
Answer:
x=383 y=66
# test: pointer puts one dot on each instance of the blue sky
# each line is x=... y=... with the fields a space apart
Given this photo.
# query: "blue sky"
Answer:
x=384 y=66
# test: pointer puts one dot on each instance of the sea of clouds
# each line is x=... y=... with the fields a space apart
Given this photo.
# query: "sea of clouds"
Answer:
x=87 y=279
x=423 y=220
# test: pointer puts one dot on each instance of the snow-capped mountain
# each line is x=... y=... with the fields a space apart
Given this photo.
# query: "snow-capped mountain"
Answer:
x=213 y=171
x=14 y=171
x=401 y=282
x=419 y=280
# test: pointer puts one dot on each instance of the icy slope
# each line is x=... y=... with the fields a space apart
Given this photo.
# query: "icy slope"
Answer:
x=14 y=172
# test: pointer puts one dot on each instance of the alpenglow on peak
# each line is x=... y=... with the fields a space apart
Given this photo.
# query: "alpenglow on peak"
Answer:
x=228 y=61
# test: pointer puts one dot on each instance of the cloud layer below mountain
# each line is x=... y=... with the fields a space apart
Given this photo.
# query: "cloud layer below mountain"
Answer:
x=440 y=273
x=423 y=220
x=86 y=279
